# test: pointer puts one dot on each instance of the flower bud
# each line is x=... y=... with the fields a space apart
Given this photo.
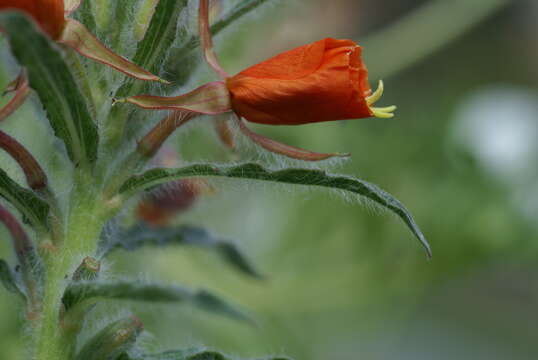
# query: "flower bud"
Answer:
x=87 y=270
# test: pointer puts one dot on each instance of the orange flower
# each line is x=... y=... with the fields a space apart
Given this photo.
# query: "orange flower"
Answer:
x=322 y=81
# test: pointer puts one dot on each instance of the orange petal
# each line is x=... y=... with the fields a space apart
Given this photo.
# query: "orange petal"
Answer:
x=322 y=81
x=76 y=36
x=210 y=99
x=21 y=89
x=283 y=149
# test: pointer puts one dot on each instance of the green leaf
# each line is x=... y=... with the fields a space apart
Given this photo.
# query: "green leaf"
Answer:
x=58 y=91
x=190 y=354
x=140 y=235
x=25 y=201
x=254 y=171
x=157 y=41
x=8 y=279
x=85 y=291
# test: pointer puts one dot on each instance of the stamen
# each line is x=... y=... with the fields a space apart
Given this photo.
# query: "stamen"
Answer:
x=384 y=112
x=372 y=99
x=386 y=108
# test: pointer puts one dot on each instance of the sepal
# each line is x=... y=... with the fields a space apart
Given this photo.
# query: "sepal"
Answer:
x=283 y=149
x=35 y=176
x=71 y=6
x=210 y=99
x=76 y=36
x=21 y=89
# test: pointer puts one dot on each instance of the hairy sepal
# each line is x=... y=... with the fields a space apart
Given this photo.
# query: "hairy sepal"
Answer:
x=210 y=99
x=76 y=36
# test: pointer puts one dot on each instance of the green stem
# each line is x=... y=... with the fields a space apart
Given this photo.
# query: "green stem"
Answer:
x=84 y=223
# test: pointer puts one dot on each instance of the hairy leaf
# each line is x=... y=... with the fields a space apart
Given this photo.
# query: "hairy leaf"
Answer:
x=141 y=234
x=152 y=50
x=191 y=354
x=51 y=78
x=254 y=171
x=129 y=290
x=27 y=202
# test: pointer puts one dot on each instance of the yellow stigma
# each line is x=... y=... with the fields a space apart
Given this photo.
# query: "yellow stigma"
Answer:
x=380 y=112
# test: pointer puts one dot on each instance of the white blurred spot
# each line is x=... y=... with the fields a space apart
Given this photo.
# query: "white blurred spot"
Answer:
x=500 y=127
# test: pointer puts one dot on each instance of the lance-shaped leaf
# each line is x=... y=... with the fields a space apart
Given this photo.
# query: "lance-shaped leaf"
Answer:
x=51 y=78
x=8 y=279
x=30 y=264
x=91 y=291
x=191 y=354
x=140 y=235
x=25 y=201
x=211 y=99
x=158 y=39
x=254 y=171
x=112 y=341
x=76 y=36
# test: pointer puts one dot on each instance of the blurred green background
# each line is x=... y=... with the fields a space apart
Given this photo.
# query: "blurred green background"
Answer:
x=346 y=281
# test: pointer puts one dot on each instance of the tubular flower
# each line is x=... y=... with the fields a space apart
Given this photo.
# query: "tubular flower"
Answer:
x=322 y=81
x=51 y=17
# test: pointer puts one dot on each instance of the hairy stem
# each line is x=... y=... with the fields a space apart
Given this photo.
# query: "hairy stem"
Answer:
x=84 y=223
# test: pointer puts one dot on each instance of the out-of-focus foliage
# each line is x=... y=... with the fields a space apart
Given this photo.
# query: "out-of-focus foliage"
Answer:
x=344 y=284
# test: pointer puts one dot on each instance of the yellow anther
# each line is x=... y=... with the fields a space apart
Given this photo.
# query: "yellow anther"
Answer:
x=372 y=99
x=384 y=112
x=380 y=112
x=386 y=108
